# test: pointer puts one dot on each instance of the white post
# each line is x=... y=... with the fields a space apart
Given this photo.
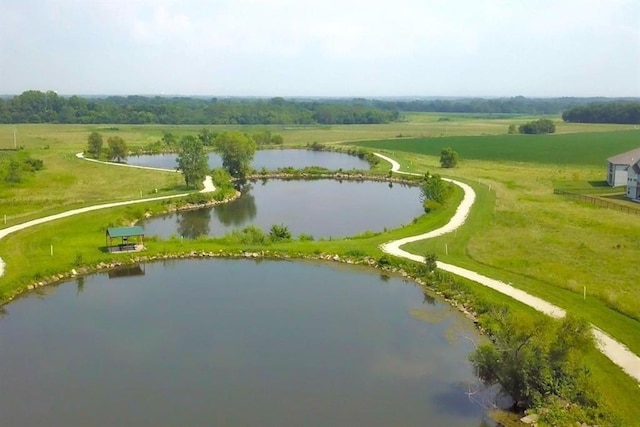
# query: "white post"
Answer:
x=5 y=218
x=446 y=249
x=141 y=194
x=51 y=250
x=584 y=293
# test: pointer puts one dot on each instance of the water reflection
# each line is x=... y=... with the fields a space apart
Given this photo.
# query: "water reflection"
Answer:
x=321 y=208
x=238 y=213
x=194 y=223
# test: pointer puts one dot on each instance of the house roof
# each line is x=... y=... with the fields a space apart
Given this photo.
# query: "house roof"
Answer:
x=628 y=158
x=125 y=231
x=636 y=167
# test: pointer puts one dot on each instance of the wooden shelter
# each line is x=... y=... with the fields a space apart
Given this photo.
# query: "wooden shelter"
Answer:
x=125 y=234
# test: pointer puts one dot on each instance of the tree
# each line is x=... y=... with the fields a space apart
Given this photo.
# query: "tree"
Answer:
x=512 y=129
x=434 y=192
x=535 y=360
x=237 y=151
x=94 y=144
x=192 y=161
x=117 y=149
x=537 y=127
x=448 y=158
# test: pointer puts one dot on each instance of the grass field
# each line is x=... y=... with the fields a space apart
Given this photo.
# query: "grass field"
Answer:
x=519 y=230
x=560 y=149
x=548 y=245
x=74 y=137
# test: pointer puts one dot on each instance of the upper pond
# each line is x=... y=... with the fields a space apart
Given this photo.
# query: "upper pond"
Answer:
x=322 y=208
x=236 y=343
x=268 y=159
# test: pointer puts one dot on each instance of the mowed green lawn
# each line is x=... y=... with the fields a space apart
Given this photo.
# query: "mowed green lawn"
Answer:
x=568 y=149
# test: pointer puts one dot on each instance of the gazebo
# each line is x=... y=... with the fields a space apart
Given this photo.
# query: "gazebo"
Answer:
x=124 y=234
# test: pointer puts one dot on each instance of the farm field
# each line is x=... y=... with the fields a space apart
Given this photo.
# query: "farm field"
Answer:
x=591 y=148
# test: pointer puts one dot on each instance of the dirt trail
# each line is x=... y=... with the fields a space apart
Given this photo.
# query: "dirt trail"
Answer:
x=614 y=350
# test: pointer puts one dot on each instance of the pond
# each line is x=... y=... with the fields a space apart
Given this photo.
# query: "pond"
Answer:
x=322 y=208
x=238 y=343
x=269 y=159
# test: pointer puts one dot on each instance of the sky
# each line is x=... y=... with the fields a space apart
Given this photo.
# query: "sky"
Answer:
x=346 y=48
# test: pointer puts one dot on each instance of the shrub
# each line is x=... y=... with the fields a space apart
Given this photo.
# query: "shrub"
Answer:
x=198 y=198
x=279 y=233
x=304 y=237
x=251 y=235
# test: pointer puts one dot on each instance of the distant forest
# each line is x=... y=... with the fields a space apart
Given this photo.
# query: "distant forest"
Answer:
x=613 y=112
x=49 y=107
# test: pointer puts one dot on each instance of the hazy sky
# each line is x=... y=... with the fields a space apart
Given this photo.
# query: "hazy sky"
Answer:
x=322 y=48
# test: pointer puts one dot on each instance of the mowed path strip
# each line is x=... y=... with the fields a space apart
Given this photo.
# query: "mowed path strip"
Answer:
x=614 y=350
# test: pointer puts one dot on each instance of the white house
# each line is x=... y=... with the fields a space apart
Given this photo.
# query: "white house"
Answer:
x=633 y=182
x=619 y=166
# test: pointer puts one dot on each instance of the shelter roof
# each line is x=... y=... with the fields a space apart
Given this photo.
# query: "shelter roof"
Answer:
x=125 y=231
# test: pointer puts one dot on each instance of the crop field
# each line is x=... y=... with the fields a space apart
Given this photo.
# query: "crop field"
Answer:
x=562 y=149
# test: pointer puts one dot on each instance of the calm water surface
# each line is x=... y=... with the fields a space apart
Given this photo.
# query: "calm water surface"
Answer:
x=269 y=159
x=235 y=343
x=322 y=208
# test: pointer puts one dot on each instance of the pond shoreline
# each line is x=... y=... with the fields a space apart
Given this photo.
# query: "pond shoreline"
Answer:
x=366 y=261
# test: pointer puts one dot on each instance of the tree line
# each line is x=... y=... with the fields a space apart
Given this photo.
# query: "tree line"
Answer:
x=613 y=112
x=49 y=107
x=510 y=105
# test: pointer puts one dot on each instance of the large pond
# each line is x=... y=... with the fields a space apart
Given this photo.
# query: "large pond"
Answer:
x=268 y=159
x=236 y=343
x=322 y=208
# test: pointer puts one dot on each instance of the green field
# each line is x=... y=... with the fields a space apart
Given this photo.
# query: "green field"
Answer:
x=562 y=149
x=519 y=231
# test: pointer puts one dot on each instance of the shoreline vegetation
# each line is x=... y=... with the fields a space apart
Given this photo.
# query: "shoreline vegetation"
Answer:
x=354 y=250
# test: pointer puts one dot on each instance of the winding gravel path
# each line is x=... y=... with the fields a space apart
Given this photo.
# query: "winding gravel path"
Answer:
x=614 y=350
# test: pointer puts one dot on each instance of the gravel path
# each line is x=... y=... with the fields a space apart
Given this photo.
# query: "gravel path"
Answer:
x=614 y=350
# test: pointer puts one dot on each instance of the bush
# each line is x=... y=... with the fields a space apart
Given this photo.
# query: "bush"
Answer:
x=33 y=164
x=304 y=237
x=198 y=198
x=250 y=235
x=279 y=233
